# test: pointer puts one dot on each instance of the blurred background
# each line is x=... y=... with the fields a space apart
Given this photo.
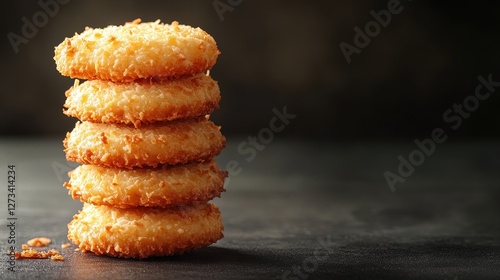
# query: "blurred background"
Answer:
x=284 y=53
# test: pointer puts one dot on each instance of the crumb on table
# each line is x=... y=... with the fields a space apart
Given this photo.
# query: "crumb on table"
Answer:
x=39 y=242
x=31 y=253
x=57 y=258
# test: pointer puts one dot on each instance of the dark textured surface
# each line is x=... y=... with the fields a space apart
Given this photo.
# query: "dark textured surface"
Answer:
x=297 y=211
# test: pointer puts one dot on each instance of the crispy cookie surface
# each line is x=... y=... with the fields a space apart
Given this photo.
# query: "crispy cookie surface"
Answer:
x=136 y=50
x=123 y=146
x=144 y=101
x=159 y=187
x=145 y=232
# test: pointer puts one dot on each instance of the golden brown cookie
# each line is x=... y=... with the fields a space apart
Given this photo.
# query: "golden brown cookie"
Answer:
x=144 y=101
x=136 y=50
x=123 y=146
x=145 y=232
x=149 y=187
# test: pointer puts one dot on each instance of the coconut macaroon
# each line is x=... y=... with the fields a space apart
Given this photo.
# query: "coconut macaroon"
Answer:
x=145 y=232
x=114 y=145
x=143 y=101
x=147 y=187
x=136 y=50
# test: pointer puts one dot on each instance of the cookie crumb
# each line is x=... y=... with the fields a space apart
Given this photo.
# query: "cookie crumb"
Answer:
x=31 y=253
x=57 y=258
x=65 y=245
x=39 y=242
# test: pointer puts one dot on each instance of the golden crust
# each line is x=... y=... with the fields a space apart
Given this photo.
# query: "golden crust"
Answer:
x=115 y=145
x=136 y=50
x=145 y=232
x=162 y=187
x=144 y=101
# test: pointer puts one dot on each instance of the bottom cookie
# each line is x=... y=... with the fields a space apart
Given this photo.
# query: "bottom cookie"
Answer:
x=145 y=232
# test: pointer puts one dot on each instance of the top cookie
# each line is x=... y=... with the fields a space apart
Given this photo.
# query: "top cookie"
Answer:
x=136 y=50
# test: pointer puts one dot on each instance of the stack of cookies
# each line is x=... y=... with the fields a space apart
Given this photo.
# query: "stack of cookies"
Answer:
x=144 y=139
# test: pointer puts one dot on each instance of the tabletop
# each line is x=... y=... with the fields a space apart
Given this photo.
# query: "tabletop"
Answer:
x=293 y=210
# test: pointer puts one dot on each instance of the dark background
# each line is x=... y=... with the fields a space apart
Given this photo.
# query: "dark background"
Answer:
x=286 y=53
x=324 y=176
